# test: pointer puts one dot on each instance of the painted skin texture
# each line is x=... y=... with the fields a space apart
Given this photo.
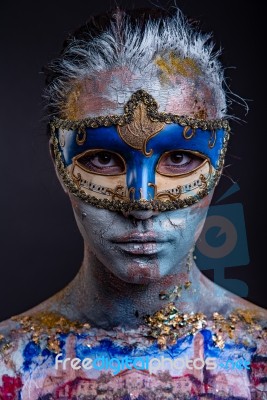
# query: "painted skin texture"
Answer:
x=117 y=286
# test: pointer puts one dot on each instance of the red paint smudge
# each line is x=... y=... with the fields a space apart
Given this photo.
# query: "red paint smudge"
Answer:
x=143 y=274
x=10 y=388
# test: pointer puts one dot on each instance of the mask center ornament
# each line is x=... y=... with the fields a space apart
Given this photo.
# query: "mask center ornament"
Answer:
x=141 y=160
x=137 y=133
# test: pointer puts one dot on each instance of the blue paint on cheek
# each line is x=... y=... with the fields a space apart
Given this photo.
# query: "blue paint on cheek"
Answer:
x=31 y=351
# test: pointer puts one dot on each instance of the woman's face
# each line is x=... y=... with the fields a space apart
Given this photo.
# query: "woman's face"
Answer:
x=143 y=246
x=138 y=246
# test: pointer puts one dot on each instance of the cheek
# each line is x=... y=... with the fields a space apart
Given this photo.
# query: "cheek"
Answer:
x=92 y=222
x=199 y=229
x=185 y=221
x=186 y=225
x=201 y=209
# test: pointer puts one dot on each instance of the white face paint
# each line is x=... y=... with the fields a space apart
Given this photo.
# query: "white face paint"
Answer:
x=143 y=246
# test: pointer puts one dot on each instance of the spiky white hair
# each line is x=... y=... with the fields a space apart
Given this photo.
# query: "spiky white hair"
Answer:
x=135 y=46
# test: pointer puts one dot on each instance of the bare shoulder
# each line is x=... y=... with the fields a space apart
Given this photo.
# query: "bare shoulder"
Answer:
x=254 y=310
x=218 y=299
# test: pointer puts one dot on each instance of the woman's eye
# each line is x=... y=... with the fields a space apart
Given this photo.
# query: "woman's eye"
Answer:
x=103 y=158
x=102 y=162
x=178 y=163
x=178 y=158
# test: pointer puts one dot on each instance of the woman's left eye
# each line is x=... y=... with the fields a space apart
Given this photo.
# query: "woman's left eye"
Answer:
x=178 y=162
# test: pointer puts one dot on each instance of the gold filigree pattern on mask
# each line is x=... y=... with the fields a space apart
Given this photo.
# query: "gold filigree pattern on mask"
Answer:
x=140 y=130
x=81 y=136
x=172 y=194
x=117 y=193
x=187 y=134
x=212 y=140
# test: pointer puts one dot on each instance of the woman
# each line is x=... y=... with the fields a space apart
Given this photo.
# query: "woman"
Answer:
x=138 y=138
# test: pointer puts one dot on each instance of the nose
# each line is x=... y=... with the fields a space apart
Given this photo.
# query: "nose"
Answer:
x=141 y=177
x=140 y=214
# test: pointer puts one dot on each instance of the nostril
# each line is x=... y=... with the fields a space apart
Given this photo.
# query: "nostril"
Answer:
x=140 y=214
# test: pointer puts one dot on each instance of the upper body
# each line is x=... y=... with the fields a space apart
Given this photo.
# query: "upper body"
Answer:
x=46 y=355
x=138 y=140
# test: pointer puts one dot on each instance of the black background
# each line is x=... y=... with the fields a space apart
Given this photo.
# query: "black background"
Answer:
x=41 y=249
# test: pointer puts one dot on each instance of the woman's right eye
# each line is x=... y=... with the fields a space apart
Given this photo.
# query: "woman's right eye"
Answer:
x=102 y=162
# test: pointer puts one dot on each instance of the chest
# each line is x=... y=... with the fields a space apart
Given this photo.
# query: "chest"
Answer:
x=92 y=367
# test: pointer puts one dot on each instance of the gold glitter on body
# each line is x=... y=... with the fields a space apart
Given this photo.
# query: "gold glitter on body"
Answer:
x=166 y=326
x=169 y=324
x=48 y=326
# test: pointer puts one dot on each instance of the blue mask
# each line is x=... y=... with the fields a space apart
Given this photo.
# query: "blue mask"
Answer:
x=142 y=159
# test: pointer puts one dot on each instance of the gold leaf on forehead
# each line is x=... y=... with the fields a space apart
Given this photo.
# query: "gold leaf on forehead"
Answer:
x=174 y=64
x=71 y=110
x=140 y=130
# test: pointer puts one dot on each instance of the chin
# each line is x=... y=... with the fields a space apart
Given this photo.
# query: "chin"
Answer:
x=141 y=273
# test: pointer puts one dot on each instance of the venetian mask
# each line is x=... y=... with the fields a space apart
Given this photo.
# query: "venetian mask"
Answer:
x=143 y=159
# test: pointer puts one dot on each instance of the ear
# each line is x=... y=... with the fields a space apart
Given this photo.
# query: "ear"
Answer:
x=52 y=154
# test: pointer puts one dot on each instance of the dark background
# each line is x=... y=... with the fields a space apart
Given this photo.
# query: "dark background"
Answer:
x=41 y=249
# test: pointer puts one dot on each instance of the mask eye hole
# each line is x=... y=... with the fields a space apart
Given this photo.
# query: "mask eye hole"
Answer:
x=103 y=162
x=179 y=162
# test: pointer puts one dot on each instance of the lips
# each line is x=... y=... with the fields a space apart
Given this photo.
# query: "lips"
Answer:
x=139 y=237
x=137 y=243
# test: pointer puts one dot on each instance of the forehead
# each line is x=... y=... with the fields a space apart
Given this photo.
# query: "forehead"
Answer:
x=106 y=93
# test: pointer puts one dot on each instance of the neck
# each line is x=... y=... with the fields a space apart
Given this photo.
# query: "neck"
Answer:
x=105 y=300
